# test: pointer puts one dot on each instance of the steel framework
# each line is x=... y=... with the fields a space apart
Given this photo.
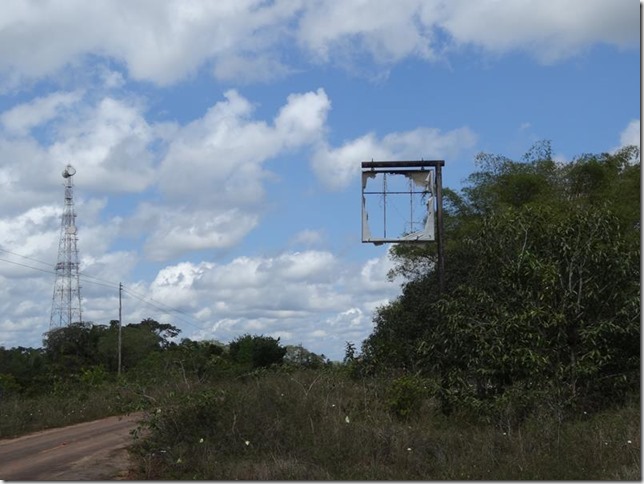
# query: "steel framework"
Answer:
x=66 y=300
x=411 y=168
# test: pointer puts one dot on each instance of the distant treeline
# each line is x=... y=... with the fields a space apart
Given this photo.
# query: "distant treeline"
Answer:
x=88 y=352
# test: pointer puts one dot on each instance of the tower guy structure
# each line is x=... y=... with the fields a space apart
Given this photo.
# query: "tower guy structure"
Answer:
x=66 y=301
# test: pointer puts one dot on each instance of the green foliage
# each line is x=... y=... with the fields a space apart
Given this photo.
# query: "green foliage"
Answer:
x=163 y=332
x=321 y=425
x=299 y=356
x=543 y=290
x=406 y=396
x=137 y=342
x=71 y=347
x=20 y=368
x=8 y=385
x=257 y=351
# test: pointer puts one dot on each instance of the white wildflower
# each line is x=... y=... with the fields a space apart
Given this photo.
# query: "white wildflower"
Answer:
x=247 y=442
x=346 y=419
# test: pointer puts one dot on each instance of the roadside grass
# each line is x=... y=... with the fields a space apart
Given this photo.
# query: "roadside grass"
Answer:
x=75 y=402
x=20 y=415
x=322 y=425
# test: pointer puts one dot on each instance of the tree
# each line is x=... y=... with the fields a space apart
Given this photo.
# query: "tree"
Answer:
x=164 y=332
x=21 y=369
x=300 y=356
x=542 y=285
x=257 y=351
x=72 y=347
x=138 y=341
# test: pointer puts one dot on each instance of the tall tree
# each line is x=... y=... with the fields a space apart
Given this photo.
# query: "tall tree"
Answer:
x=542 y=286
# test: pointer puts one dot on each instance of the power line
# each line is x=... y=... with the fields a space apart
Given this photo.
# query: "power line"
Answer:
x=26 y=257
x=148 y=301
x=27 y=266
x=103 y=282
x=85 y=277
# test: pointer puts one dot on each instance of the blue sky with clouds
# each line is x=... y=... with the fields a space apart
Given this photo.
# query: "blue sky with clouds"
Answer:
x=218 y=144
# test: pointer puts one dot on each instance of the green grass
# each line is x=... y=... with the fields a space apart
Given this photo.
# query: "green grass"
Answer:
x=73 y=403
x=322 y=425
x=317 y=425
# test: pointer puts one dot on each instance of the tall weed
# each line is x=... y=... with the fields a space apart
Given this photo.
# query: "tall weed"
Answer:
x=324 y=425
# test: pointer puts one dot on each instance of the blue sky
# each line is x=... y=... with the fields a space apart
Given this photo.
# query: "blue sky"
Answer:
x=218 y=144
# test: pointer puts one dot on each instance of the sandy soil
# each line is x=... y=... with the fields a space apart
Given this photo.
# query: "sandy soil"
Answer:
x=86 y=451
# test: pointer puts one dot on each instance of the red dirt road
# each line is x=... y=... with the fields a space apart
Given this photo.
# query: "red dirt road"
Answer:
x=86 y=451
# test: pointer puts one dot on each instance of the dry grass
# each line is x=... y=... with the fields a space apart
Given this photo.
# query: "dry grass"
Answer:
x=324 y=426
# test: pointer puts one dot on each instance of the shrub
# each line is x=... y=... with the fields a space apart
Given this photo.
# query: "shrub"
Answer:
x=406 y=395
x=257 y=351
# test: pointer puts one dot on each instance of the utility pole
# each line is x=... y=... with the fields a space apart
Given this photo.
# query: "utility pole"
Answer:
x=120 y=308
x=439 y=221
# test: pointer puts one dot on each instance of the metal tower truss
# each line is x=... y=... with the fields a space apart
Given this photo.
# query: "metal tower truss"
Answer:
x=66 y=300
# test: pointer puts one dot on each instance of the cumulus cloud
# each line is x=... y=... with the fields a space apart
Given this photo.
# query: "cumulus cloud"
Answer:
x=549 y=30
x=308 y=237
x=210 y=175
x=32 y=234
x=175 y=231
x=329 y=29
x=22 y=118
x=218 y=162
x=226 y=148
x=296 y=295
x=165 y=42
x=107 y=143
x=631 y=134
x=336 y=167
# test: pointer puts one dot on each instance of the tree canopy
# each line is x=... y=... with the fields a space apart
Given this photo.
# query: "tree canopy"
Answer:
x=542 y=286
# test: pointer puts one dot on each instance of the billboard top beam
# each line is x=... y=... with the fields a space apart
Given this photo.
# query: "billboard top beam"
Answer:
x=399 y=164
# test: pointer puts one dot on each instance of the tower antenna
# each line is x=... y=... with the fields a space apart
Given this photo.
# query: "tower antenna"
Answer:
x=66 y=300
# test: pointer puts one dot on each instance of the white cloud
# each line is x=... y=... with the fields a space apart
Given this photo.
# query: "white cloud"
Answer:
x=217 y=162
x=22 y=118
x=303 y=117
x=308 y=237
x=295 y=295
x=550 y=30
x=221 y=154
x=108 y=145
x=158 y=41
x=331 y=29
x=244 y=70
x=178 y=230
x=336 y=167
x=33 y=234
x=165 y=42
x=631 y=134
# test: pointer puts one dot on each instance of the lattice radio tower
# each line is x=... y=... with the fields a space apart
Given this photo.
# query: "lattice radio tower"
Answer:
x=66 y=301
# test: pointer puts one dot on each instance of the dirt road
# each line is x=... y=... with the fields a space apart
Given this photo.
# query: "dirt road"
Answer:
x=86 y=451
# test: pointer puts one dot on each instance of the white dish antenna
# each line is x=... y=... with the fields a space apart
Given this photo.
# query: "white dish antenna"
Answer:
x=71 y=230
x=69 y=171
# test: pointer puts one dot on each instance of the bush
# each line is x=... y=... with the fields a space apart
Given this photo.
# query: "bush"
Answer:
x=257 y=351
x=406 y=396
x=322 y=425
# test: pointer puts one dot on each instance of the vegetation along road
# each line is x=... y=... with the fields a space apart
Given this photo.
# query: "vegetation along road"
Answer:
x=87 y=451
